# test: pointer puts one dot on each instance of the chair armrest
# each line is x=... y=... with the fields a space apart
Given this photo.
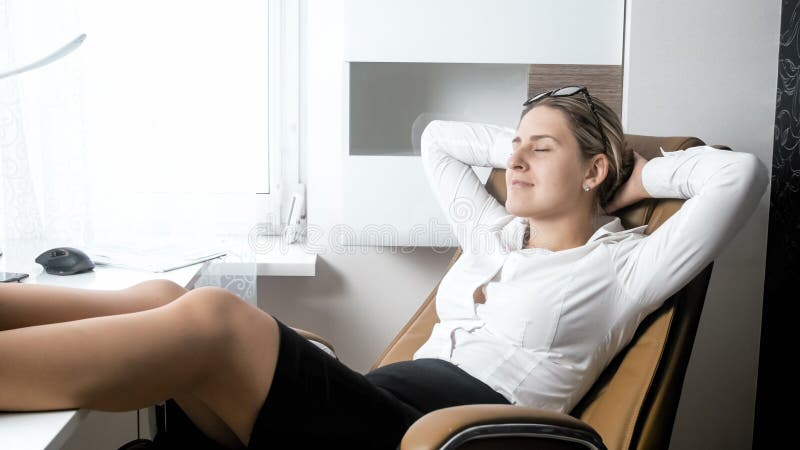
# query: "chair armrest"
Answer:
x=317 y=340
x=448 y=428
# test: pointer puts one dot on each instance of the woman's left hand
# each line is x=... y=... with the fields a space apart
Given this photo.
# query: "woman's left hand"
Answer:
x=633 y=190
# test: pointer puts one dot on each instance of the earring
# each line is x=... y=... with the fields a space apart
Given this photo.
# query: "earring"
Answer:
x=585 y=188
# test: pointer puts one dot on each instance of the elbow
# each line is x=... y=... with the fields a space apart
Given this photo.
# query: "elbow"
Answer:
x=430 y=135
x=755 y=174
x=746 y=179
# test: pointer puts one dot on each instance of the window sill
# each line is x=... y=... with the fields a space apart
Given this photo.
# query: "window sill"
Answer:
x=286 y=260
x=272 y=258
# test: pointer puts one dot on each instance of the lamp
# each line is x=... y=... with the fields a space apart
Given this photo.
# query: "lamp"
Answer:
x=58 y=54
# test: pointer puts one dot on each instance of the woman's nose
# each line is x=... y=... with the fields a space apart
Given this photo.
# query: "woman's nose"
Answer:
x=515 y=160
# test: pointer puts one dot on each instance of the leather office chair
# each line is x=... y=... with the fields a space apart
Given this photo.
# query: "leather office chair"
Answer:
x=632 y=405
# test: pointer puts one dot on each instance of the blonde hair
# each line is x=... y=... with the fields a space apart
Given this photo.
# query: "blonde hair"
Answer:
x=582 y=123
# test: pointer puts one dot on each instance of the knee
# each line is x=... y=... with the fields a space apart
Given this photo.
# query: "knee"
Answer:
x=169 y=288
x=162 y=289
x=211 y=308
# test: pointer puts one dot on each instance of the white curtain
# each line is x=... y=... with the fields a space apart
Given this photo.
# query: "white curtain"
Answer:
x=44 y=167
x=49 y=191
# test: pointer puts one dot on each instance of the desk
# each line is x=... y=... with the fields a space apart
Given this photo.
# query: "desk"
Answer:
x=51 y=429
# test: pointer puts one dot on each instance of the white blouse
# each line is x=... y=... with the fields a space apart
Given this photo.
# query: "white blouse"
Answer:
x=552 y=321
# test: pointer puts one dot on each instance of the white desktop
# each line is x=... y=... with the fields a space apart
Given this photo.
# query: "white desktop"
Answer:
x=51 y=429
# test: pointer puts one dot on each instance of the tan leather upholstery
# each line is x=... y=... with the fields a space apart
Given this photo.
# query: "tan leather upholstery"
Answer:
x=632 y=405
x=313 y=337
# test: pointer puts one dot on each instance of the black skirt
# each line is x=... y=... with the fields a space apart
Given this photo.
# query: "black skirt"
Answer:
x=316 y=401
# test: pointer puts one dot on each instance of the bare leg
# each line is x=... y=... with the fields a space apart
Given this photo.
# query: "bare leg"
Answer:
x=208 y=343
x=208 y=421
x=24 y=305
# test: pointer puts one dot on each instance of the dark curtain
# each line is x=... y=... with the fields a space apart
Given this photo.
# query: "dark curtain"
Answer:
x=778 y=353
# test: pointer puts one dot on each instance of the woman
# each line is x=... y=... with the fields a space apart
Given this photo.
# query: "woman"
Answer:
x=547 y=290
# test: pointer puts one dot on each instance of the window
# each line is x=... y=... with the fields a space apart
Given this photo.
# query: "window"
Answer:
x=180 y=109
x=176 y=93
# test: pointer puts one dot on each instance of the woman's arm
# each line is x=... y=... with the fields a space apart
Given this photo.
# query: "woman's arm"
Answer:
x=633 y=190
x=448 y=150
x=722 y=190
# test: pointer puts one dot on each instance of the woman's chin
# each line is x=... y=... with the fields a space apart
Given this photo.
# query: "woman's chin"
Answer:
x=519 y=212
x=526 y=212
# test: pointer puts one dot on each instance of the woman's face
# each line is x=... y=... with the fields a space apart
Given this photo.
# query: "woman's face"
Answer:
x=546 y=160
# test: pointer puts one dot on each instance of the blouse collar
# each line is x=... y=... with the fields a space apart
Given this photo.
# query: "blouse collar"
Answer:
x=605 y=226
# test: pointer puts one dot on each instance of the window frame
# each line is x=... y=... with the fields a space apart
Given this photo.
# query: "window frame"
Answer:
x=284 y=26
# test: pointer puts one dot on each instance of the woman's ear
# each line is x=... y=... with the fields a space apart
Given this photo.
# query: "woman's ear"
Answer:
x=598 y=171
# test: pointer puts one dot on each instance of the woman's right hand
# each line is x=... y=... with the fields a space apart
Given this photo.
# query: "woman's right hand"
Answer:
x=633 y=190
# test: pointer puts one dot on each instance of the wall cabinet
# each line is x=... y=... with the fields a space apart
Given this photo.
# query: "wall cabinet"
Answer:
x=407 y=63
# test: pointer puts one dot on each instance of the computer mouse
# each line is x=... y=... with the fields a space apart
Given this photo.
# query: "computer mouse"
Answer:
x=65 y=261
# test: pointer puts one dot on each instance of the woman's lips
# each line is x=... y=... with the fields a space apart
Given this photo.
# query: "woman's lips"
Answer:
x=520 y=184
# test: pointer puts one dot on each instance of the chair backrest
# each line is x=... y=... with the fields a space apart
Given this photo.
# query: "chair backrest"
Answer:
x=632 y=404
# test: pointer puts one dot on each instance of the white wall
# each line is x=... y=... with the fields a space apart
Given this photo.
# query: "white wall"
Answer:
x=321 y=111
x=709 y=69
x=706 y=68
x=358 y=302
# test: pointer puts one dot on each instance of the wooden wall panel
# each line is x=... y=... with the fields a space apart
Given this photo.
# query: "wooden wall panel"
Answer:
x=604 y=82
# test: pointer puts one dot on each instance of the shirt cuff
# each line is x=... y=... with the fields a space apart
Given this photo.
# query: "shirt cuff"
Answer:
x=501 y=148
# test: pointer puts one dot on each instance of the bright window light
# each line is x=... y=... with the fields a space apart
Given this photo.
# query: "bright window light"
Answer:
x=175 y=95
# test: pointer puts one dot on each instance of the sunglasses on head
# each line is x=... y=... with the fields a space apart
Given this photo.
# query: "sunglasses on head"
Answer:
x=568 y=91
